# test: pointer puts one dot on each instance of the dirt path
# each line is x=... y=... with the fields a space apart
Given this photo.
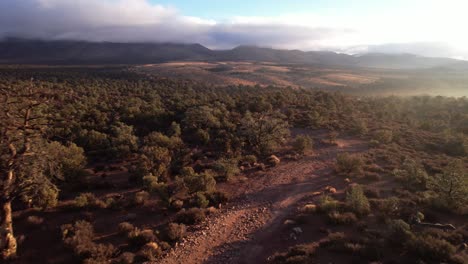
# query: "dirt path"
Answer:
x=248 y=230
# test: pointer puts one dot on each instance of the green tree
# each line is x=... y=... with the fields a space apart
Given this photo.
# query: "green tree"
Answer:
x=302 y=143
x=24 y=117
x=452 y=184
x=357 y=201
x=264 y=132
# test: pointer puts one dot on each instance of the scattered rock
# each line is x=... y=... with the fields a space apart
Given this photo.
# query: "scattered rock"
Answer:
x=316 y=193
x=273 y=160
x=289 y=222
x=309 y=208
x=297 y=230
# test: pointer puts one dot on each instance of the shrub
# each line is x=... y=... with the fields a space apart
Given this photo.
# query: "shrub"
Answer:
x=149 y=252
x=138 y=238
x=297 y=254
x=357 y=201
x=34 y=220
x=125 y=228
x=201 y=201
x=226 y=168
x=386 y=208
x=342 y=218
x=203 y=182
x=175 y=232
x=349 y=164
x=399 y=232
x=191 y=216
x=334 y=241
x=89 y=200
x=383 y=136
x=249 y=159
x=302 y=143
x=217 y=197
x=149 y=181
x=428 y=248
x=451 y=185
x=412 y=174
x=79 y=237
x=125 y=258
x=328 y=204
x=141 y=198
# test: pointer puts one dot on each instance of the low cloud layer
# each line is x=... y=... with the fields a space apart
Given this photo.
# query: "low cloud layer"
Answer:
x=141 y=21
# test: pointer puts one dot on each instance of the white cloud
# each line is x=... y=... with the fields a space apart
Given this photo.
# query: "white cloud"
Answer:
x=431 y=28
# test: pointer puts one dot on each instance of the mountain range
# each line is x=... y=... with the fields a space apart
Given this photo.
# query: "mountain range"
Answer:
x=23 y=51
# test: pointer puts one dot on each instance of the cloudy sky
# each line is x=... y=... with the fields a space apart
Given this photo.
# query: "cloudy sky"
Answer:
x=426 y=27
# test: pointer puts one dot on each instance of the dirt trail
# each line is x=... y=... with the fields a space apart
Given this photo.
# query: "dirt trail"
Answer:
x=248 y=230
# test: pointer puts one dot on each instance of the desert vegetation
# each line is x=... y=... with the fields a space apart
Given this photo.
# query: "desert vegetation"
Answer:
x=107 y=165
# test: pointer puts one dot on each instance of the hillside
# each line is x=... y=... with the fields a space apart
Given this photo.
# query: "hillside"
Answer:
x=18 y=51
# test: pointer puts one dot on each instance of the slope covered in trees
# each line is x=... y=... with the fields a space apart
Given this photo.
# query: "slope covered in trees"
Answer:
x=127 y=163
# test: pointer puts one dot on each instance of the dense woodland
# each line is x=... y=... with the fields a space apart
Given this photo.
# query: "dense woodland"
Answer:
x=63 y=129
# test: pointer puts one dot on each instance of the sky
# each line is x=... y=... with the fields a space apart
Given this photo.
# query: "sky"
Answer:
x=435 y=28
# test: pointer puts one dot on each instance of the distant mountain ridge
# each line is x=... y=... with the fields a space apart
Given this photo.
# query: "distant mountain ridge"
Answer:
x=20 y=51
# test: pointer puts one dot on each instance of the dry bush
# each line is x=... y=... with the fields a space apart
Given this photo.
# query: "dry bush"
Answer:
x=174 y=232
x=125 y=228
x=141 y=198
x=34 y=220
x=297 y=254
x=125 y=258
x=149 y=252
x=342 y=218
x=334 y=241
x=138 y=238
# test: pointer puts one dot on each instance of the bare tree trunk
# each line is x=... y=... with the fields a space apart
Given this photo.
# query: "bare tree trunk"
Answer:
x=7 y=239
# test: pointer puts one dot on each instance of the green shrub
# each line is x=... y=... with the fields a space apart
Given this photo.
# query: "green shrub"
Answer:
x=349 y=163
x=201 y=201
x=412 y=174
x=399 y=232
x=357 y=202
x=217 y=197
x=89 y=200
x=191 y=216
x=226 y=168
x=249 y=159
x=433 y=250
x=302 y=143
x=384 y=136
x=79 y=238
x=203 y=182
x=328 y=204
